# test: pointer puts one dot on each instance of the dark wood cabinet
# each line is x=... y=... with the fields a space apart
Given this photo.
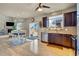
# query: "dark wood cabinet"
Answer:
x=67 y=41
x=70 y=19
x=74 y=18
x=51 y=38
x=45 y=22
x=55 y=38
x=60 y=39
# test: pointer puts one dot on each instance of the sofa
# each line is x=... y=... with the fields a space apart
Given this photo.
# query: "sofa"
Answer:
x=3 y=33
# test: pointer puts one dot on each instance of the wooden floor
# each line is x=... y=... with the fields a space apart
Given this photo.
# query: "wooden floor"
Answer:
x=23 y=50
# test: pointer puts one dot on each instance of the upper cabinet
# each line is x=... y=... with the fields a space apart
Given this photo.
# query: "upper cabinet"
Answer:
x=45 y=22
x=70 y=19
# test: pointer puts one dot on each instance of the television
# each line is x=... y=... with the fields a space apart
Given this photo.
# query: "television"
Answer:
x=9 y=23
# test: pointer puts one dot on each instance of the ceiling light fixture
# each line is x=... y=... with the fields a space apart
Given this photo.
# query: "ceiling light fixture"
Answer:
x=40 y=9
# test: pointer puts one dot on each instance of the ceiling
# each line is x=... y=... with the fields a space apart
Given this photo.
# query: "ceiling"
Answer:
x=28 y=9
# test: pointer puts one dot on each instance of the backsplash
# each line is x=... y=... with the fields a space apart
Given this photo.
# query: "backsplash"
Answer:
x=65 y=30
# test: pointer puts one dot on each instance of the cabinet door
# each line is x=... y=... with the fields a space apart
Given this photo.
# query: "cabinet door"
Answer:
x=67 y=41
x=70 y=19
x=51 y=38
x=74 y=18
x=58 y=39
x=45 y=22
x=55 y=38
x=67 y=19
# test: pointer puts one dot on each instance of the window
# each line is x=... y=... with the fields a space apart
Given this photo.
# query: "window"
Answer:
x=56 y=21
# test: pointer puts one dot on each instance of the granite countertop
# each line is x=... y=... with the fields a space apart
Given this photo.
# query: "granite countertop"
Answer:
x=71 y=31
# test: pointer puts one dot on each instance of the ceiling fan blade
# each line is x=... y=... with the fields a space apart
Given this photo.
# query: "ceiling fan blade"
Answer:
x=39 y=4
x=45 y=6
x=36 y=8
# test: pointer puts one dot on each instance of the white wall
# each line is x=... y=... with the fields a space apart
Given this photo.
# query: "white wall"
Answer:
x=25 y=22
x=2 y=22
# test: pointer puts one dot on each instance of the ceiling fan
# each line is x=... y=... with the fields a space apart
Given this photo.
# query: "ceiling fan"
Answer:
x=40 y=6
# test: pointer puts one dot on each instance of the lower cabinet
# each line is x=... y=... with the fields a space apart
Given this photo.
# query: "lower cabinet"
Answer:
x=60 y=39
x=67 y=41
x=55 y=38
x=51 y=37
